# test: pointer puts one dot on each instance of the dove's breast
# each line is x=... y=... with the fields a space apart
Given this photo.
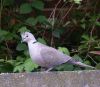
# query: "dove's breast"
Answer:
x=34 y=52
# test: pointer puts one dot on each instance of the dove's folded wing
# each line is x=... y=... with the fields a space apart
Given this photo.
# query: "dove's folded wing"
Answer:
x=53 y=57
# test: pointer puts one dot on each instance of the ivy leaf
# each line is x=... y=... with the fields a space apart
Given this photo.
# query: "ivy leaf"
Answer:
x=21 y=47
x=25 y=8
x=97 y=23
x=64 y=50
x=41 y=40
x=23 y=29
x=87 y=62
x=77 y=1
x=98 y=66
x=3 y=32
x=19 y=59
x=26 y=52
x=57 y=32
x=31 y=21
x=38 y=5
x=29 y=65
x=5 y=67
x=19 y=68
x=41 y=19
x=8 y=2
x=83 y=25
x=5 y=35
x=86 y=37
x=9 y=36
x=65 y=67
x=78 y=58
x=97 y=58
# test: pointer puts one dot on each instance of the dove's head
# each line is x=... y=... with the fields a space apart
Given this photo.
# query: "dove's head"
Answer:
x=27 y=37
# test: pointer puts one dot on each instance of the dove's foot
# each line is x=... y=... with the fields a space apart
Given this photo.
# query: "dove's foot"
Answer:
x=49 y=69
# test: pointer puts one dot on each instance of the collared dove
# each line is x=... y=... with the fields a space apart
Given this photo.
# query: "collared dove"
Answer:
x=46 y=56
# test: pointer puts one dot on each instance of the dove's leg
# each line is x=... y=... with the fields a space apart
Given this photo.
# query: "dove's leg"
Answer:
x=49 y=69
x=43 y=69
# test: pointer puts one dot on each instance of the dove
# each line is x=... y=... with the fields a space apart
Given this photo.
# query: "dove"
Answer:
x=46 y=56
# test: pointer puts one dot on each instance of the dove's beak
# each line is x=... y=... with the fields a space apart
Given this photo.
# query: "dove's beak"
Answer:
x=23 y=40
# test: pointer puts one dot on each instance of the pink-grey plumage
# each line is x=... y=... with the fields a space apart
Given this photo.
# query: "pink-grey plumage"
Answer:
x=46 y=56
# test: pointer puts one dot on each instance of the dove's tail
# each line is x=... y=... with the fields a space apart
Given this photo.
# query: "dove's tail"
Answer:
x=79 y=63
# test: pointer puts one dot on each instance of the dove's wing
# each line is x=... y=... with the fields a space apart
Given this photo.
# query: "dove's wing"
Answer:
x=53 y=57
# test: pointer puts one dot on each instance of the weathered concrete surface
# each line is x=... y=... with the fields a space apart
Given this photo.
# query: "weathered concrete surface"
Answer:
x=51 y=79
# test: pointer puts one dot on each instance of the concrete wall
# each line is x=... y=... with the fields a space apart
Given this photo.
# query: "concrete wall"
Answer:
x=51 y=79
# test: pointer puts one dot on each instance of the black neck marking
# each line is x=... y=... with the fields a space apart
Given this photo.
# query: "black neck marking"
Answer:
x=34 y=42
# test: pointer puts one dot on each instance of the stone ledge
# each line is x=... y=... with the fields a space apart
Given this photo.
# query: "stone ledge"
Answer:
x=89 y=78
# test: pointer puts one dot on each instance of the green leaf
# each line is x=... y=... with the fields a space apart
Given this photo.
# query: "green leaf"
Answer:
x=7 y=2
x=97 y=58
x=9 y=36
x=31 y=21
x=97 y=23
x=83 y=25
x=21 y=47
x=3 y=32
x=5 y=67
x=65 y=67
x=19 y=68
x=77 y=1
x=25 y=8
x=42 y=19
x=77 y=68
x=2 y=60
x=86 y=37
x=41 y=40
x=19 y=60
x=97 y=47
x=64 y=50
x=98 y=66
x=29 y=65
x=5 y=35
x=87 y=62
x=26 y=52
x=11 y=62
x=23 y=29
x=78 y=58
x=57 y=32
x=18 y=63
x=38 y=5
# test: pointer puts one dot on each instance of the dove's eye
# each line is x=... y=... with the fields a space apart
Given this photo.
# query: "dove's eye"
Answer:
x=27 y=36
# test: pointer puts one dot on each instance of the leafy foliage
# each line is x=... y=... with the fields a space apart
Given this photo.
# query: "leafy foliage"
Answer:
x=39 y=5
x=74 y=32
x=31 y=21
x=27 y=66
x=25 y=8
x=64 y=50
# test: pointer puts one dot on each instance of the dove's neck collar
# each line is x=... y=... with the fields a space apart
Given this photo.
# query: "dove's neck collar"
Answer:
x=34 y=42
